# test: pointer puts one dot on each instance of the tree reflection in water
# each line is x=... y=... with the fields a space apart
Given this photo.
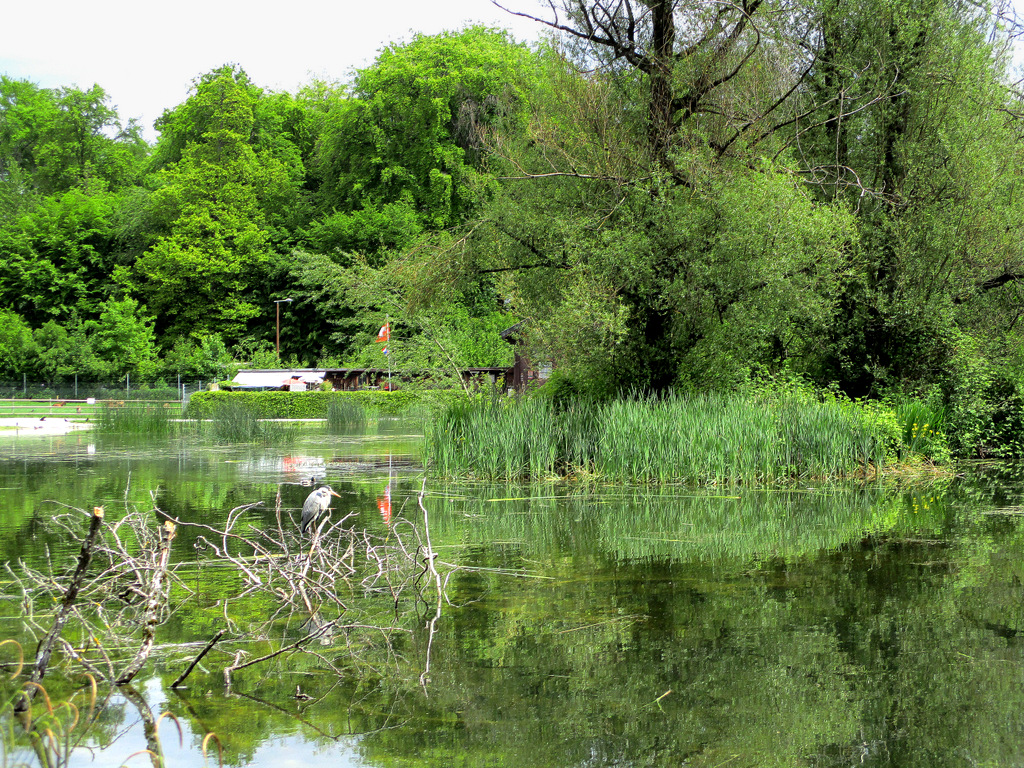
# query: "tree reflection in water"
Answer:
x=597 y=626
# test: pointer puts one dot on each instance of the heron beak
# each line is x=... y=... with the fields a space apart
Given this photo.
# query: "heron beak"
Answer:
x=333 y=493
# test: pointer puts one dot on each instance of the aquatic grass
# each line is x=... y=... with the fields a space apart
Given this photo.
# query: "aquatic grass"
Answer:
x=921 y=426
x=346 y=416
x=138 y=418
x=495 y=437
x=233 y=422
x=706 y=439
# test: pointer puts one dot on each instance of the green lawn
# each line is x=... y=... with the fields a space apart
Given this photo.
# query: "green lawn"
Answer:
x=76 y=410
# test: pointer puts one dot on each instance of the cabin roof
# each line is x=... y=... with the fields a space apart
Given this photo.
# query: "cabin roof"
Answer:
x=256 y=378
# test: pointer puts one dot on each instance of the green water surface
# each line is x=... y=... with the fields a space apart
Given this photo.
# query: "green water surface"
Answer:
x=583 y=625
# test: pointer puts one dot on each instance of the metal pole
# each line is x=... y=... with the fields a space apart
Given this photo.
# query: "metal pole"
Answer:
x=277 y=345
x=76 y=386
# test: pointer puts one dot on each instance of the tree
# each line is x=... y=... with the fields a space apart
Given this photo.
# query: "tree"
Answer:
x=932 y=170
x=17 y=349
x=125 y=339
x=55 y=140
x=681 y=204
x=207 y=359
x=58 y=258
x=650 y=213
x=410 y=134
x=214 y=194
x=67 y=351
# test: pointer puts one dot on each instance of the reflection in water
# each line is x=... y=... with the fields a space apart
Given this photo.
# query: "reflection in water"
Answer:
x=580 y=625
x=384 y=504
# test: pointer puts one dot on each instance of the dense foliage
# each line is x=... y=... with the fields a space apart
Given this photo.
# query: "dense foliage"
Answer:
x=300 y=405
x=707 y=439
x=672 y=196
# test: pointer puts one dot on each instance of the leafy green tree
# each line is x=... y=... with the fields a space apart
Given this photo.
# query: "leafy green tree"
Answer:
x=56 y=351
x=58 y=258
x=931 y=164
x=55 y=140
x=400 y=154
x=17 y=348
x=411 y=134
x=67 y=351
x=680 y=210
x=651 y=248
x=125 y=339
x=338 y=309
x=213 y=198
x=207 y=358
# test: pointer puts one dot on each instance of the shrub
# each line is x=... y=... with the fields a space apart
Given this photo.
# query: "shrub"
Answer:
x=303 y=405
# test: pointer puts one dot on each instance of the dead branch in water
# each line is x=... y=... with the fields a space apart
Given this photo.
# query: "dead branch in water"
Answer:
x=155 y=601
x=70 y=595
x=132 y=561
x=312 y=595
x=197 y=659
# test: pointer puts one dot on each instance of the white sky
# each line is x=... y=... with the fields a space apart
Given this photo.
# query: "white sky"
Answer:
x=146 y=54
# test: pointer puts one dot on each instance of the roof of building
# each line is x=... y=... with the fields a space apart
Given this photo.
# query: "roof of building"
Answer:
x=513 y=333
x=255 y=378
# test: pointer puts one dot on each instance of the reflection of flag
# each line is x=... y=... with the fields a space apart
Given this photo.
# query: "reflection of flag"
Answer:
x=384 y=504
x=384 y=334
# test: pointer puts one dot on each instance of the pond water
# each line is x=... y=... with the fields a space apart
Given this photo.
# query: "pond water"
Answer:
x=580 y=625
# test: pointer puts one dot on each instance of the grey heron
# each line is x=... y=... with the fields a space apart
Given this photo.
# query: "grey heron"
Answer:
x=315 y=505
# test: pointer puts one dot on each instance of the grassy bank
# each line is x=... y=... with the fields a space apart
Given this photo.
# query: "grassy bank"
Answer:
x=703 y=440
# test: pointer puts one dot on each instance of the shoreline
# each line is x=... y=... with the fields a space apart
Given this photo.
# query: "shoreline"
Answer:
x=47 y=425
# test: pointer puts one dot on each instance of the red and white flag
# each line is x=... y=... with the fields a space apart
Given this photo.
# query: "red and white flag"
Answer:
x=384 y=334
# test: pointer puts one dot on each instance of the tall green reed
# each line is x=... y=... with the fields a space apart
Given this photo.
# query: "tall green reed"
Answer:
x=233 y=422
x=344 y=415
x=705 y=439
x=494 y=437
x=138 y=419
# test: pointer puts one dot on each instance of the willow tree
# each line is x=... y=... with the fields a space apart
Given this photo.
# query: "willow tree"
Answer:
x=933 y=171
x=652 y=224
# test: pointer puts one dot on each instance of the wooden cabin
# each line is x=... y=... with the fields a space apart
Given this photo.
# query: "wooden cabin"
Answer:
x=523 y=374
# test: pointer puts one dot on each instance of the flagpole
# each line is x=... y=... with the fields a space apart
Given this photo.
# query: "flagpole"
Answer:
x=385 y=335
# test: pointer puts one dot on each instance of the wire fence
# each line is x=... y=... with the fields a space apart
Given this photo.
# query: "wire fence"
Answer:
x=81 y=389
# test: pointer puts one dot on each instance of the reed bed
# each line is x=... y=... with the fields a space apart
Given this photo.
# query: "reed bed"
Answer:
x=138 y=419
x=233 y=422
x=701 y=440
x=346 y=416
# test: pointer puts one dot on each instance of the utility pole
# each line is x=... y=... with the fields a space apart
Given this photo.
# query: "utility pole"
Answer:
x=277 y=346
